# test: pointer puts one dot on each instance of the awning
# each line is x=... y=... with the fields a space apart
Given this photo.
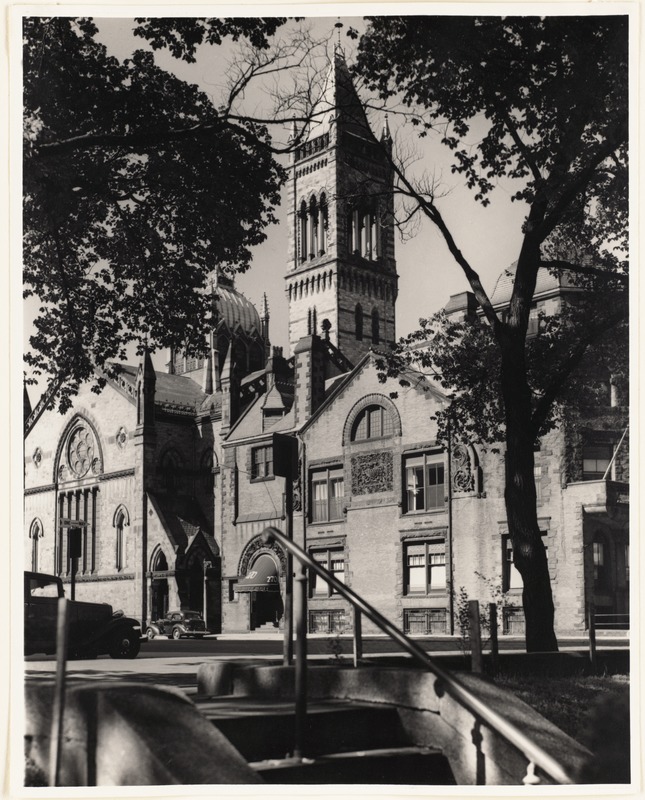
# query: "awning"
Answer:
x=262 y=577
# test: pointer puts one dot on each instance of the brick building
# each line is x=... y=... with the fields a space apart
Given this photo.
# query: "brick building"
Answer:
x=173 y=472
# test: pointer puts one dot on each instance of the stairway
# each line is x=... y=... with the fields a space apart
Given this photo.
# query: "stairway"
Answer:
x=346 y=742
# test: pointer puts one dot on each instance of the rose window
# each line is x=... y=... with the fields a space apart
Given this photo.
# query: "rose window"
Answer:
x=80 y=452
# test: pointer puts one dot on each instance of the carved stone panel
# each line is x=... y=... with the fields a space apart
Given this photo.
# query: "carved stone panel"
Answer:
x=372 y=472
x=463 y=478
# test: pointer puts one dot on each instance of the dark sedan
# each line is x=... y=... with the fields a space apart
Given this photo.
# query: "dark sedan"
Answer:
x=177 y=624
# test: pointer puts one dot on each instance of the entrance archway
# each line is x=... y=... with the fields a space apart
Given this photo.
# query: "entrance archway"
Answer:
x=159 y=587
x=262 y=584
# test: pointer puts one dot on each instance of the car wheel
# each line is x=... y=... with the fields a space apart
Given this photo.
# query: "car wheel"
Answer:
x=150 y=634
x=125 y=644
x=176 y=633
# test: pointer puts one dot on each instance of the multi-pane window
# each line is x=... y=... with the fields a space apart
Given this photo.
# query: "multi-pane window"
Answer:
x=333 y=561
x=79 y=505
x=373 y=422
x=326 y=621
x=425 y=567
x=595 y=461
x=424 y=621
x=262 y=462
x=424 y=482
x=327 y=493
x=511 y=575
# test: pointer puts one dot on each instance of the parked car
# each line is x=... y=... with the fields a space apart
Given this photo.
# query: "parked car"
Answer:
x=94 y=628
x=177 y=624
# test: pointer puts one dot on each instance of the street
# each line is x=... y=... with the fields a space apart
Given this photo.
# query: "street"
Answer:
x=175 y=663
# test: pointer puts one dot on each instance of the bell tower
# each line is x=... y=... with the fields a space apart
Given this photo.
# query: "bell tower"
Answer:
x=341 y=264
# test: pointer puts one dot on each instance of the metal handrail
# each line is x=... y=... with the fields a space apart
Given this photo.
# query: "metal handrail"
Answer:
x=534 y=754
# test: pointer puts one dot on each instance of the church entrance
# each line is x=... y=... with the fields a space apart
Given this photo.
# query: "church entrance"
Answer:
x=159 y=588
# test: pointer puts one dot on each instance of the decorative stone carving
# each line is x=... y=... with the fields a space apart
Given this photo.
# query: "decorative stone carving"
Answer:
x=97 y=467
x=62 y=470
x=372 y=472
x=463 y=470
x=37 y=456
x=297 y=489
x=257 y=546
x=80 y=451
x=121 y=437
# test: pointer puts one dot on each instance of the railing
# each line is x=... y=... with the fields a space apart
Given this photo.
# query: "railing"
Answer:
x=536 y=757
x=612 y=622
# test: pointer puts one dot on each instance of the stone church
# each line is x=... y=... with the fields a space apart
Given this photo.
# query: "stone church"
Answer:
x=171 y=473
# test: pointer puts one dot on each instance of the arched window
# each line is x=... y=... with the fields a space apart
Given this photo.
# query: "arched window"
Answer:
x=358 y=322
x=35 y=534
x=373 y=422
x=313 y=228
x=121 y=520
x=375 y=327
x=322 y=225
x=302 y=229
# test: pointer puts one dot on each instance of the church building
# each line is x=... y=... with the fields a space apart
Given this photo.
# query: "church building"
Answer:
x=172 y=473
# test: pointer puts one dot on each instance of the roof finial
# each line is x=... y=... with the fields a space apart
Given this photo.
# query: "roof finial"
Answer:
x=337 y=47
x=386 y=136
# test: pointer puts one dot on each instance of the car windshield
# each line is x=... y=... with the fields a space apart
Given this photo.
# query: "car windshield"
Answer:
x=43 y=587
x=192 y=615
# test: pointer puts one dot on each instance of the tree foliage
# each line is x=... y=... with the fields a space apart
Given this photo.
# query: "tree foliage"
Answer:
x=183 y=35
x=135 y=189
x=538 y=105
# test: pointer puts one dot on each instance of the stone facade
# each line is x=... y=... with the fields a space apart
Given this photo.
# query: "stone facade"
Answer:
x=175 y=474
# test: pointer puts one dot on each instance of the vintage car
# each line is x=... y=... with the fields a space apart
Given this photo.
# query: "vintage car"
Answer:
x=94 y=628
x=177 y=624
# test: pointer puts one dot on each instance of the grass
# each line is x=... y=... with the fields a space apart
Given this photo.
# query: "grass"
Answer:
x=593 y=710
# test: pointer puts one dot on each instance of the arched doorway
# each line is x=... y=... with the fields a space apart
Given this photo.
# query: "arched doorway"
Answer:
x=262 y=584
x=159 y=587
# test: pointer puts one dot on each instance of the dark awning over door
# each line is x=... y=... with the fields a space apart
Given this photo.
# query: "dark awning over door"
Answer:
x=262 y=577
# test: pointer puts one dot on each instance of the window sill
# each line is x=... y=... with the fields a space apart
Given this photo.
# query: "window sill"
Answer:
x=263 y=479
x=438 y=510
x=320 y=522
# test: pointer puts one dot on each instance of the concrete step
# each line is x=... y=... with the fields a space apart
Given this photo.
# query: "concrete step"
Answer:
x=420 y=766
x=262 y=729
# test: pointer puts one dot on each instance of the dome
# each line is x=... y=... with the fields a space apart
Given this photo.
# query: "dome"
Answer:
x=546 y=284
x=234 y=309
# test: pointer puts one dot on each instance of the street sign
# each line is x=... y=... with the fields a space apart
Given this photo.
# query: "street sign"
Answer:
x=67 y=522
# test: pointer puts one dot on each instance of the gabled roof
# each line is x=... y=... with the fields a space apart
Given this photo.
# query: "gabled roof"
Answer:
x=416 y=380
x=170 y=390
x=182 y=520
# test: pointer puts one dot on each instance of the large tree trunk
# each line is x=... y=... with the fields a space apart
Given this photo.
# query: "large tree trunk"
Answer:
x=520 y=497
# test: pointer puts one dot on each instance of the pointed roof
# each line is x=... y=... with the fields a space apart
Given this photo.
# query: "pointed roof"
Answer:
x=339 y=103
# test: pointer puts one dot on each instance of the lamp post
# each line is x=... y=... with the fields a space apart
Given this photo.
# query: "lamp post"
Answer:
x=207 y=566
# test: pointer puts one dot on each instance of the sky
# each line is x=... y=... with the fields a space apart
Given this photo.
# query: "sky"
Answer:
x=489 y=237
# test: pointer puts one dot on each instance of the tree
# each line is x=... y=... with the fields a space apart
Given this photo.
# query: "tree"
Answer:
x=135 y=188
x=545 y=101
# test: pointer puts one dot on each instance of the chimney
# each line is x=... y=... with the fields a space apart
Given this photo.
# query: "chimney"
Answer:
x=309 y=377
